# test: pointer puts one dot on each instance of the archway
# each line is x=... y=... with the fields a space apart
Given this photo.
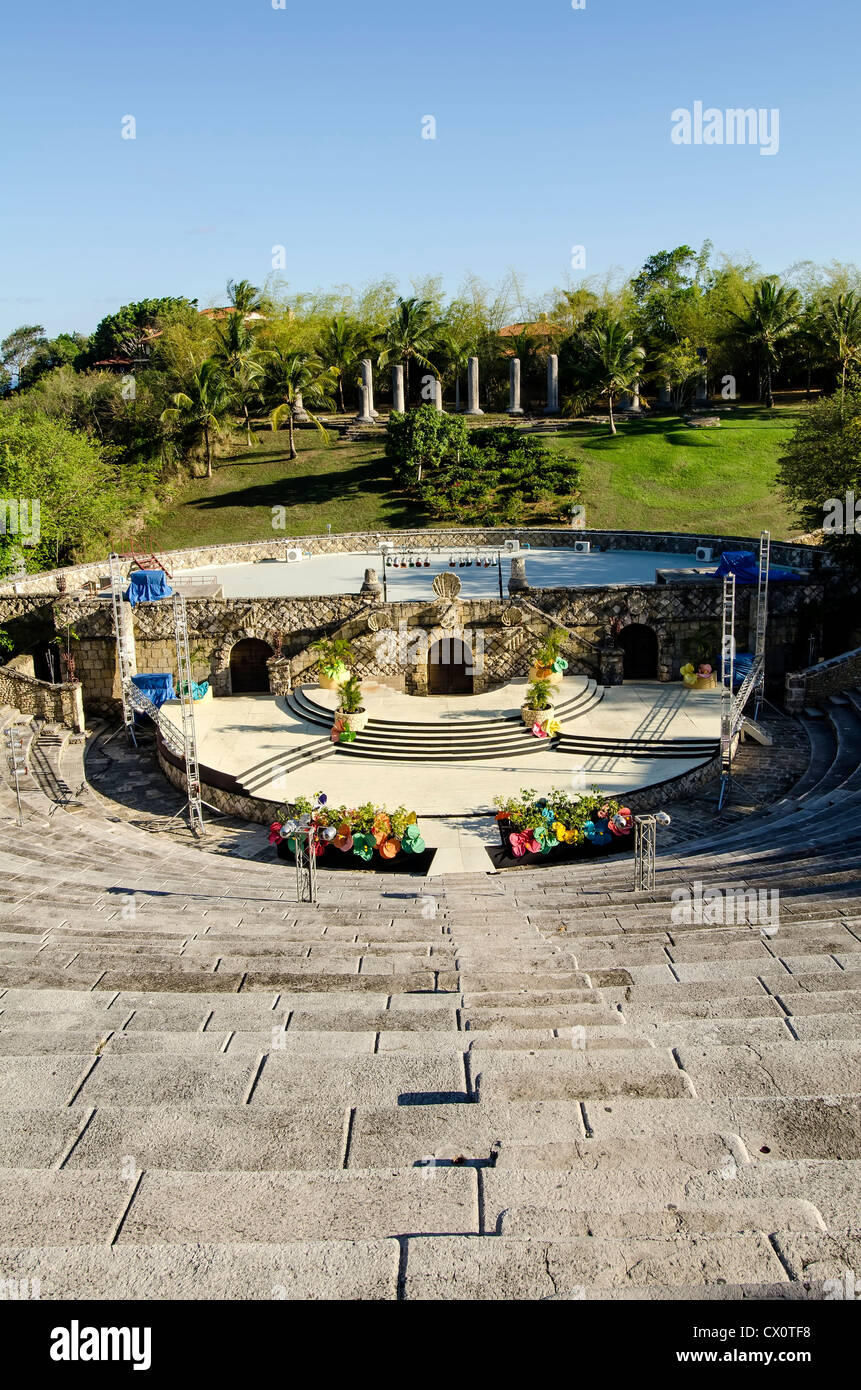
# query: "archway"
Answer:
x=248 y=673
x=450 y=668
x=639 y=644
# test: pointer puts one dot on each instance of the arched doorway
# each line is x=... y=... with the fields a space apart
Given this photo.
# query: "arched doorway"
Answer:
x=640 y=646
x=450 y=668
x=248 y=673
x=46 y=662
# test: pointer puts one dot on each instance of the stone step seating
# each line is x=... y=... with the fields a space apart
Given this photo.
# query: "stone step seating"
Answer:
x=831 y=785
x=542 y=1088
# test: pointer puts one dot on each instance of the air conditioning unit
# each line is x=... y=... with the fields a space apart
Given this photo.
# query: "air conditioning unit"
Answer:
x=582 y=547
x=705 y=553
x=294 y=554
x=512 y=545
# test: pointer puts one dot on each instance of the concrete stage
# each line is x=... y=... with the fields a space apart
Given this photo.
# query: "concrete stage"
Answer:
x=252 y=737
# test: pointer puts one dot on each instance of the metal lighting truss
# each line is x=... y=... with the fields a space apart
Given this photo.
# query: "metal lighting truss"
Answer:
x=761 y=618
x=645 y=836
x=727 y=659
x=186 y=709
x=182 y=742
x=123 y=652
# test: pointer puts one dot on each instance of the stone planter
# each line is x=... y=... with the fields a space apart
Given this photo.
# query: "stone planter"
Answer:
x=529 y=716
x=332 y=682
x=357 y=722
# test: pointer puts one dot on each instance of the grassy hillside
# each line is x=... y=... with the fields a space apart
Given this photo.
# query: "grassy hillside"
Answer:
x=654 y=475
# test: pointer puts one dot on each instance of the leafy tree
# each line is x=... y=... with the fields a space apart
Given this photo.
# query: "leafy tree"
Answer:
x=202 y=408
x=421 y=439
x=680 y=367
x=618 y=361
x=132 y=330
x=822 y=461
x=412 y=335
x=772 y=313
x=294 y=379
x=20 y=347
x=70 y=477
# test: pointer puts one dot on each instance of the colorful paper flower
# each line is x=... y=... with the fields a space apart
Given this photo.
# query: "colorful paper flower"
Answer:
x=539 y=730
x=560 y=664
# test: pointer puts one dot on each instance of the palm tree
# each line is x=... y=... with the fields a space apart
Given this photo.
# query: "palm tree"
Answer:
x=411 y=335
x=617 y=358
x=840 y=323
x=245 y=297
x=293 y=381
x=202 y=407
x=239 y=357
x=771 y=316
x=341 y=349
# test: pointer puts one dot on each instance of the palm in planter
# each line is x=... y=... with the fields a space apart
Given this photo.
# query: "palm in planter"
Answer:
x=547 y=664
x=351 y=711
x=538 y=704
x=334 y=654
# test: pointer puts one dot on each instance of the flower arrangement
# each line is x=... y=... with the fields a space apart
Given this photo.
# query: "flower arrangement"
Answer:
x=363 y=830
x=530 y=825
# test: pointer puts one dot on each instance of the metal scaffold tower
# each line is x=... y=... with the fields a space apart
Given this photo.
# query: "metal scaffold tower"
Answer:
x=124 y=655
x=727 y=660
x=761 y=619
x=186 y=709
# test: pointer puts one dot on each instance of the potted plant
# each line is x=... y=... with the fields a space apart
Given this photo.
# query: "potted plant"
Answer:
x=538 y=704
x=334 y=653
x=351 y=711
x=547 y=664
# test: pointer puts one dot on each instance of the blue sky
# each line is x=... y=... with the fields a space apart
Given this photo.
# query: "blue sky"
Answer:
x=302 y=126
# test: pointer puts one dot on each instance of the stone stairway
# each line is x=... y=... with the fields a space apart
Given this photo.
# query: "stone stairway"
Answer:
x=536 y=1085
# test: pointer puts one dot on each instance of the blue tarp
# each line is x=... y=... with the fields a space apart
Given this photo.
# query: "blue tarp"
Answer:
x=157 y=686
x=146 y=586
x=745 y=566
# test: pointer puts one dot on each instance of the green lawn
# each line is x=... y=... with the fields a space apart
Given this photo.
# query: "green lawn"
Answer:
x=654 y=475
x=660 y=475
x=345 y=484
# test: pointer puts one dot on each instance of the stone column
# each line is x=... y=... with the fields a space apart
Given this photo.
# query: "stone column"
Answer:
x=635 y=403
x=300 y=414
x=703 y=381
x=371 y=586
x=473 y=408
x=514 y=406
x=365 y=417
x=368 y=380
x=438 y=395
x=552 y=385
x=517 y=581
x=398 y=387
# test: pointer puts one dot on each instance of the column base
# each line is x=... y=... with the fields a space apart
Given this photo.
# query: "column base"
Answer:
x=516 y=410
x=474 y=412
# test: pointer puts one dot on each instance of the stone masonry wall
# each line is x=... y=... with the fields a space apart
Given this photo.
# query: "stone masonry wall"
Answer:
x=56 y=704
x=814 y=685
x=76 y=577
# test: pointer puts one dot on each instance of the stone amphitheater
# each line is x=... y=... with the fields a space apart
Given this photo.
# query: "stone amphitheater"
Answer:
x=525 y=1085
